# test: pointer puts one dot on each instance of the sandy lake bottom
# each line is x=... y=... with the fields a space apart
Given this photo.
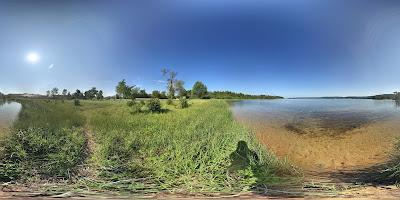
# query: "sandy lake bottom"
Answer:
x=324 y=135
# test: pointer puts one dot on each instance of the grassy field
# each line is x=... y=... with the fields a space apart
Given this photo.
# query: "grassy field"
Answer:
x=103 y=145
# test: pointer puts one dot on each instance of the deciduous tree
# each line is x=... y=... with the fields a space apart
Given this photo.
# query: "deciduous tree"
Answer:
x=199 y=90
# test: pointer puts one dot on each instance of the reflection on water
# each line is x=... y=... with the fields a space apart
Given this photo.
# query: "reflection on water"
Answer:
x=8 y=113
x=317 y=116
x=324 y=134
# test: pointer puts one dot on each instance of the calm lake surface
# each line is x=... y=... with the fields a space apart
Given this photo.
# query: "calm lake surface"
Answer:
x=8 y=113
x=324 y=134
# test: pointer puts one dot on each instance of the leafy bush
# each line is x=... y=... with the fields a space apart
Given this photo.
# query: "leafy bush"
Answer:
x=77 y=102
x=183 y=102
x=131 y=103
x=154 y=105
x=136 y=106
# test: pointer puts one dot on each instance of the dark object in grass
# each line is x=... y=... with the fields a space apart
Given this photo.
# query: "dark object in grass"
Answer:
x=77 y=102
x=243 y=157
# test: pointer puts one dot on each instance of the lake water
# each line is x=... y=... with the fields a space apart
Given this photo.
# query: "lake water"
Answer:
x=8 y=114
x=324 y=134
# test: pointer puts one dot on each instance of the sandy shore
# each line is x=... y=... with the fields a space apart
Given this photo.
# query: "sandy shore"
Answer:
x=354 y=149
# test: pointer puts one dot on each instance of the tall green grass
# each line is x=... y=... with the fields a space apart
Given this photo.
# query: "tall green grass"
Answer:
x=181 y=150
x=197 y=149
x=393 y=170
x=46 y=142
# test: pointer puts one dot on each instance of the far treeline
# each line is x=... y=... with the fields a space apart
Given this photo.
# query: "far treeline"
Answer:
x=394 y=96
x=175 y=88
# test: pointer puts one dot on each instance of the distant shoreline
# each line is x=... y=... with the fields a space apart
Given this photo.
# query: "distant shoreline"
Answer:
x=374 y=97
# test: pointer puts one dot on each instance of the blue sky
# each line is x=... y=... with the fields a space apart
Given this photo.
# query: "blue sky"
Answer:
x=287 y=48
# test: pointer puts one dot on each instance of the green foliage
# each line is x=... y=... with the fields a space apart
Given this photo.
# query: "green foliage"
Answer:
x=180 y=89
x=154 y=105
x=121 y=88
x=77 y=95
x=99 y=95
x=199 y=90
x=183 y=102
x=156 y=94
x=125 y=91
x=64 y=92
x=142 y=94
x=54 y=92
x=91 y=94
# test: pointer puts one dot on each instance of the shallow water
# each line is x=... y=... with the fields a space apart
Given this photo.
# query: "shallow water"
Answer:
x=324 y=134
x=8 y=114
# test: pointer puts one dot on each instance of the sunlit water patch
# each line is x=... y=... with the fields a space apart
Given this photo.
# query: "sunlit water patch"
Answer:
x=8 y=114
x=324 y=134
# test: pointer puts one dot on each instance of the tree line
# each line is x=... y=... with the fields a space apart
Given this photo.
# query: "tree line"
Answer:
x=175 y=88
x=92 y=93
x=394 y=96
x=234 y=95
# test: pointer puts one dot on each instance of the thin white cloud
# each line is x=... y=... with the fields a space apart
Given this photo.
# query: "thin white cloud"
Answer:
x=51 y=66
x=160 y=81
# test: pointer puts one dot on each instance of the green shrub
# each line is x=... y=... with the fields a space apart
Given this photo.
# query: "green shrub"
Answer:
x=154 y=105
x=135 y=105
x=77 y=102
x=183 y=102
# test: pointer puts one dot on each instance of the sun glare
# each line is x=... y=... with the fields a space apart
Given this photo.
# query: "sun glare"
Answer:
x=33 y=57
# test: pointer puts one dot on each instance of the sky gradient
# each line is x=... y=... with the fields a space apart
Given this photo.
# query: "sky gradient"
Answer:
x=288 y=48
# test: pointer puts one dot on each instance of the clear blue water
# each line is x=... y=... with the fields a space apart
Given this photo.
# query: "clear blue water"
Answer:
x=317 y=116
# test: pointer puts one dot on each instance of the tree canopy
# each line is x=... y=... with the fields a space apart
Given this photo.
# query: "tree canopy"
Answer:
x=125 y=91
x=199 y=90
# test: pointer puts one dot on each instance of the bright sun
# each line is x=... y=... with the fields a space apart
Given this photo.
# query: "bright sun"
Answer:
x=32 y=57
